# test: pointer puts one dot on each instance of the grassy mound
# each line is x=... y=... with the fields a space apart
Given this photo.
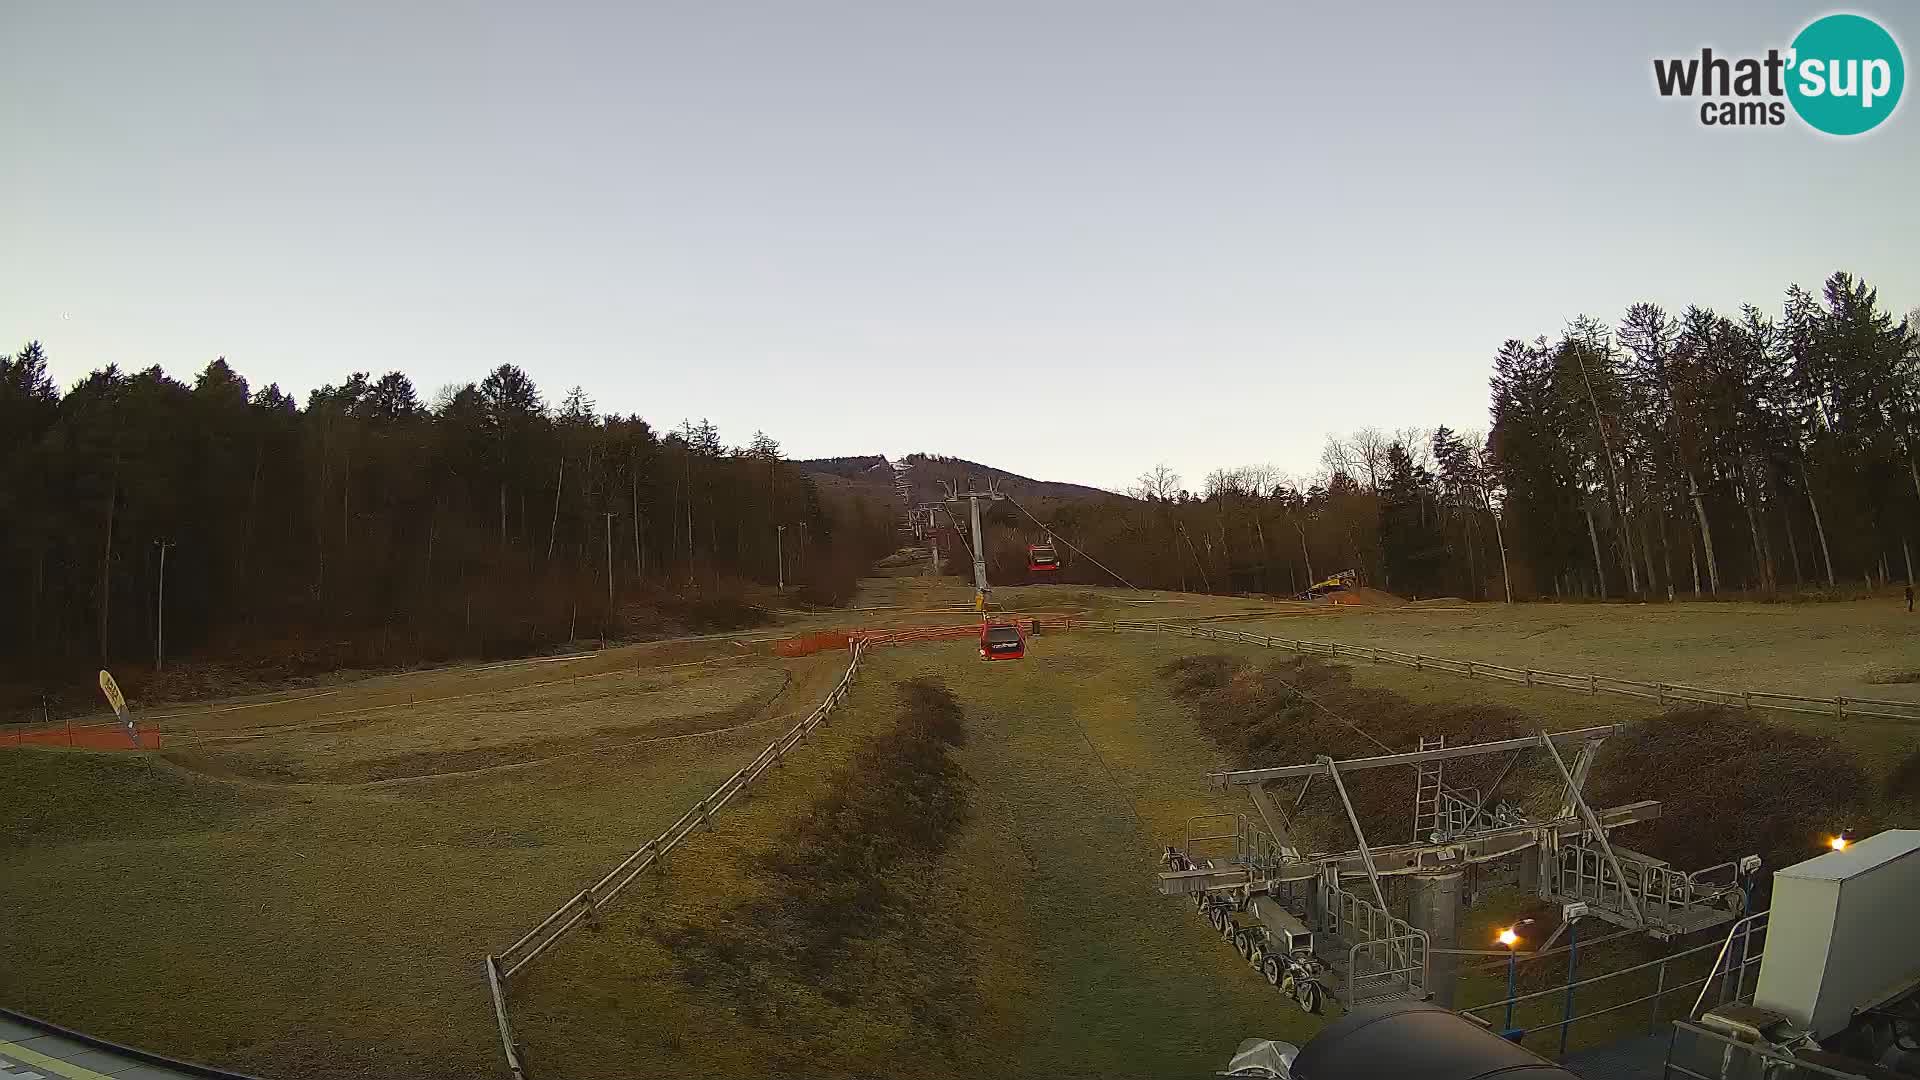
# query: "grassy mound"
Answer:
x=68 y=796
x=840 y=936
x=1730 y=784
x=1903 y=784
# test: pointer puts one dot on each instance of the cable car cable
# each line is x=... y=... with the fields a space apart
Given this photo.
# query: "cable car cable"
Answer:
x=1050 y=531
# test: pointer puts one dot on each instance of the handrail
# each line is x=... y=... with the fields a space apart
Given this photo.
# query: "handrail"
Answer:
x=1718 y=960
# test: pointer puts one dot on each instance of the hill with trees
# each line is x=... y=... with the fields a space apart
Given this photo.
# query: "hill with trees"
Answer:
x=1657 y=456
x=367 y=528
x=1662 y=456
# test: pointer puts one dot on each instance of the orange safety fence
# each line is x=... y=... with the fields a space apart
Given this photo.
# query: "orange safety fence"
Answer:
x=109 y=736
x=808 y=644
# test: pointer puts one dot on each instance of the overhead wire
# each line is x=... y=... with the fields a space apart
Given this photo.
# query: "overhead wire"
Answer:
x=1069 y=543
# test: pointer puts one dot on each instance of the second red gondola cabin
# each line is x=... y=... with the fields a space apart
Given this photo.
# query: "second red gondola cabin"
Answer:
x=1002 y=641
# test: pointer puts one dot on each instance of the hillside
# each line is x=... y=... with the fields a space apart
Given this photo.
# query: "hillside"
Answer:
x=930 y=469
x=858 y=467
x=873 y=474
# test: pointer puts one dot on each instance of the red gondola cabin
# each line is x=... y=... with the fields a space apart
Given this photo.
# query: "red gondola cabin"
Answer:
x=1002 y=641
x=1041 y=558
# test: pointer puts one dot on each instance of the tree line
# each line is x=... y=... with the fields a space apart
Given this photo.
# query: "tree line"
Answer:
x=1663 y=456
x=369 y=528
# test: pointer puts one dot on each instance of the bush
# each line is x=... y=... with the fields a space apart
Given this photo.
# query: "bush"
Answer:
x=1730 y=785
x=1903 y=784
x=833 y=874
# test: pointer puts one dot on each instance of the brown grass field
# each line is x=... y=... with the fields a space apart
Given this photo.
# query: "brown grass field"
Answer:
x=303 y=884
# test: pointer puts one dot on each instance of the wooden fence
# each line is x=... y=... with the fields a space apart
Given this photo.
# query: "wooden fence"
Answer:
x=589 y=903
x=1592 y=683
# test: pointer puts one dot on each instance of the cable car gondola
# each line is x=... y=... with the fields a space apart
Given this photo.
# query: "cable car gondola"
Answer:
x=1002 y=641
x=1041 y=558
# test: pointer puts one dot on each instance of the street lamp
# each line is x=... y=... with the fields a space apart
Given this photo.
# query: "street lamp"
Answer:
x=1570 y=915
x=1840 y=842
x=1510 y=937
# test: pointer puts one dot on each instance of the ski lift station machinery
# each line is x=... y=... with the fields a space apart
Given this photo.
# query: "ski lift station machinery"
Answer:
x=1837 y=991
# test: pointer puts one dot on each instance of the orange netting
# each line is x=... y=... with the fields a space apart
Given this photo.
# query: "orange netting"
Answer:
x=808 y=644
x=109 y=736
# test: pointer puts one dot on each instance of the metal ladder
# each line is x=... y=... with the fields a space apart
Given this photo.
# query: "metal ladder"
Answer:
x=1426 y=791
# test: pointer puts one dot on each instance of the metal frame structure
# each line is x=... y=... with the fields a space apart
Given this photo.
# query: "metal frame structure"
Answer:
x=1374 y=954
x=972 y=496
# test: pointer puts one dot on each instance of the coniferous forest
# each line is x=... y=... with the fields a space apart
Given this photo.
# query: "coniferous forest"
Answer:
x=1768 y=452
x=368 y=528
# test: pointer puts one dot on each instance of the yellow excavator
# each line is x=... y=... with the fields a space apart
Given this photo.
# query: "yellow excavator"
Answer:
x=1345 y=579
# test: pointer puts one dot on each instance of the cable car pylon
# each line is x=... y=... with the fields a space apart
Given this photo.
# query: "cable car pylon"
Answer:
x=973 y=495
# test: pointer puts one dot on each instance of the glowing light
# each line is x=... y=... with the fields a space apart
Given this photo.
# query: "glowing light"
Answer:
x=1839 y=843
x=1509 y=938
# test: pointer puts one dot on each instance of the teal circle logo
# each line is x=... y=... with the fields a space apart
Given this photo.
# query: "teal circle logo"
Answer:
x=1846 y=74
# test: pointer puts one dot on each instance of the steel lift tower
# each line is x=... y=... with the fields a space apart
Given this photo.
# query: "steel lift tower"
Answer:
x=925 y=529
x=973 y=495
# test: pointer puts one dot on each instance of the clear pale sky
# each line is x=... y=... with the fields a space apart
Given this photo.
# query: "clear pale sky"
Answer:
x=1071 y=239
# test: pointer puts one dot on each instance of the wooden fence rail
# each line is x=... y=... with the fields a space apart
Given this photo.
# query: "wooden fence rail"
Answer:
x=1591 y=683
x=589 y=903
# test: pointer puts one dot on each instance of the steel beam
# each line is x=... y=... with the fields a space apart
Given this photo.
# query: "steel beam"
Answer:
x=1284 y=772
x=1599 y=834
x=1488 y=846
x=1274 y=818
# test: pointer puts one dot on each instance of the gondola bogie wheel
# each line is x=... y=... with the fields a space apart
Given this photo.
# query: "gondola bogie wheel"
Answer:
x=1308 y=993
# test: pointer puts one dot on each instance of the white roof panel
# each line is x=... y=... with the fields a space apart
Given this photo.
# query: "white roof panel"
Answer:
x=1860 y=856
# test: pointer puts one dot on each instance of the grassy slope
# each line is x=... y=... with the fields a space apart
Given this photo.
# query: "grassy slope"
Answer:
x=1815 y=649
x=336 y=929
x=1083 y=968
x=311 y=930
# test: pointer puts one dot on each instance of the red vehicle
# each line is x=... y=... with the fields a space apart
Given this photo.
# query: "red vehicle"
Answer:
x=1042 y=558
x=1002 y=641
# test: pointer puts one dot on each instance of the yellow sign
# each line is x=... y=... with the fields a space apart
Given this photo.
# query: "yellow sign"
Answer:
x=119 y=702
x=114 y=697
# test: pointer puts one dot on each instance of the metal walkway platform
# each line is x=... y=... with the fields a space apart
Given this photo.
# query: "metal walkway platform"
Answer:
x=33 y=1049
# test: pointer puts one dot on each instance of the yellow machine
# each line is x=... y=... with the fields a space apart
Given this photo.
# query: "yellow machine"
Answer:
x=1345 y=579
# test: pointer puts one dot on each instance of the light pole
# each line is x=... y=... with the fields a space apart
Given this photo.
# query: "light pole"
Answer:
x=160 y=608
x=1510 y=937
x=1571 y=914
x=780 y=541
x=603 y=631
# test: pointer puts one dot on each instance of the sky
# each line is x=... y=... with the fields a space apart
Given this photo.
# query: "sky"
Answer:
x=1068 y=238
